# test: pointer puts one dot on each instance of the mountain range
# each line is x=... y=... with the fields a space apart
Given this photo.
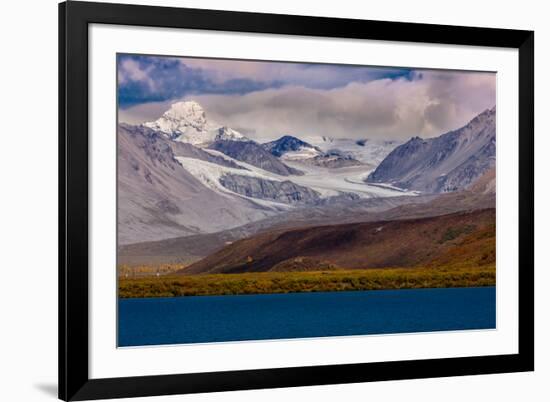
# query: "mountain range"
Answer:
x=183 y=175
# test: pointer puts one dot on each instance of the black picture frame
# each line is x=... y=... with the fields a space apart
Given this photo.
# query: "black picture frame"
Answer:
x=74 y=19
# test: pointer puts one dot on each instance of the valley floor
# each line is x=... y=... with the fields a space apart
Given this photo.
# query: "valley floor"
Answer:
x=312 y=281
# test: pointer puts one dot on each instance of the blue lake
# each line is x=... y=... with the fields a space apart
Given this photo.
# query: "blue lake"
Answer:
x=160 y=321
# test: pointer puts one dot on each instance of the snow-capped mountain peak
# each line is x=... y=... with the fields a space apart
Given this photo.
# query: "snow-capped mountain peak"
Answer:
x=290 y=147
x=228 y=134
x=185 y=121
x=188 y=111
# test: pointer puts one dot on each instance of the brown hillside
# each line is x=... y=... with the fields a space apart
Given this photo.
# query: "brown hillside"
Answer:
x=486 y=184
x=399 y=243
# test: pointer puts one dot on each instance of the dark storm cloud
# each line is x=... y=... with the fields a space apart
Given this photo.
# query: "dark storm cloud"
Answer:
x=152 y=79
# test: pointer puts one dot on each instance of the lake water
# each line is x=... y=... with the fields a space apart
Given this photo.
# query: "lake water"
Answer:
x=160 y=321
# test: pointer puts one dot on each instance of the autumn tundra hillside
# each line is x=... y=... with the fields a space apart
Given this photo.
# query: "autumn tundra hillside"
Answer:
x=453 y=250
x=460 y=238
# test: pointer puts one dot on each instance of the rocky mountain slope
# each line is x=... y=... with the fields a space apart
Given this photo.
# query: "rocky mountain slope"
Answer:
x=158 y=198
x=446 y=163
x=252 y=153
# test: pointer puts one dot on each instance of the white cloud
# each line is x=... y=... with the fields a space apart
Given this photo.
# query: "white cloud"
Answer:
x=433 y=103
x=130 y=70
x=304 y=74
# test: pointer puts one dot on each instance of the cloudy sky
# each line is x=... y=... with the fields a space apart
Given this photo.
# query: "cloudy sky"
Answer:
x=265 y=100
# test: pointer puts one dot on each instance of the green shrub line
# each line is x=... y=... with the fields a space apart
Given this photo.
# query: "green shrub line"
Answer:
x=311 y=281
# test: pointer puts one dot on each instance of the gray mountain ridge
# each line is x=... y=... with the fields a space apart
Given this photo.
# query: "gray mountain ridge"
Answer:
x=287 y=143
x=332 y=159
x=279 y=191
x=176 y=148
x=254 y=154
x=446 y=163
x=285 y=192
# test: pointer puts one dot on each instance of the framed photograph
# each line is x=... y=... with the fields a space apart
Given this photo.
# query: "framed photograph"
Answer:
x=258 y=201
